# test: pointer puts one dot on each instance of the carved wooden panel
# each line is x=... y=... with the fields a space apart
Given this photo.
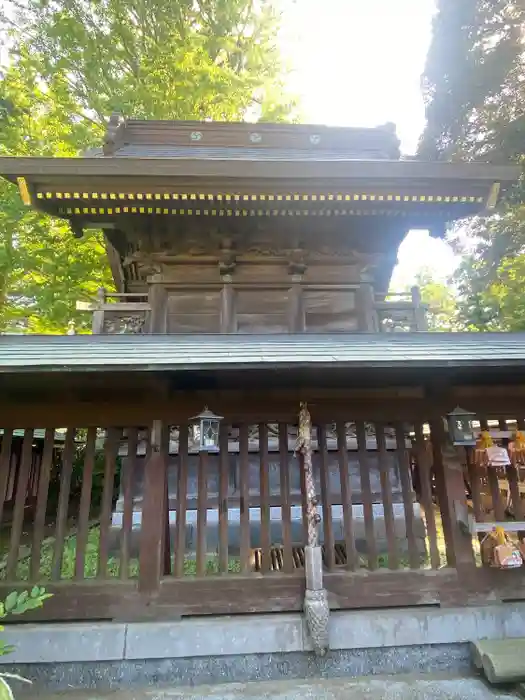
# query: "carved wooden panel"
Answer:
x=194 y=312
x=327 y=311
x=262 y=311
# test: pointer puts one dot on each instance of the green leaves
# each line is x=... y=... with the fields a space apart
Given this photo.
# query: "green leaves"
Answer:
x=441 y=302
x=73 y=63
x=474 y=86
x=19 y=603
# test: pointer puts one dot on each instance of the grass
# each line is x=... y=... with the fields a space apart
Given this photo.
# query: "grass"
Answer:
x=91 y=562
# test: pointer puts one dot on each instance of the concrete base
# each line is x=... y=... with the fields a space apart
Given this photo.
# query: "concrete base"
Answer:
x=258 y=634
x=254 y=647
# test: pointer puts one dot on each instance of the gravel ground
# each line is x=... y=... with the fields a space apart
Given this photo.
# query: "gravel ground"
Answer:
x=415 y=687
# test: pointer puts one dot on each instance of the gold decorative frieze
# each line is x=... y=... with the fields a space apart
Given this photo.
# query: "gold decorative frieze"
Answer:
x=292 y=197
x=100 y=211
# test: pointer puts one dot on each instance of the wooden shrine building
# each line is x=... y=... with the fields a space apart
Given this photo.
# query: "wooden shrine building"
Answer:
x=252 y=265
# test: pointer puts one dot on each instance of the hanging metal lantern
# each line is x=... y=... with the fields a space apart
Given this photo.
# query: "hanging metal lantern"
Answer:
x=206 y=430
x=460 y=427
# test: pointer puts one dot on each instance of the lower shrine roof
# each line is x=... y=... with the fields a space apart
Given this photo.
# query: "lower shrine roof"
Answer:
x=153 y=353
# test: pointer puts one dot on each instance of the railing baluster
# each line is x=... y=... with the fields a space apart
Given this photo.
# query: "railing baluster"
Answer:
x=224 y=474
x=85 y=503
x=244 y=498
x=128 y=477
x=166 y=533
x=386 y=492
x=408 y=500
x=425 y=481
x=264 y=493
x=20 y=500
x=63 y=503
x=492 y=478
x=182 y=495
x=286 y=514
x=346 y=498
x=328 y=528
x=202 y=513
x=5 y=467
x=41 y=504
x=366 y=495
x=110 y=455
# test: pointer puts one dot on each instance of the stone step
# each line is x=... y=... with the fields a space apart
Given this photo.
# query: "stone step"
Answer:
x=502 y=661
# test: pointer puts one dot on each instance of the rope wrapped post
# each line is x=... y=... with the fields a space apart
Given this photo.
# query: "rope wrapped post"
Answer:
x=316 y=609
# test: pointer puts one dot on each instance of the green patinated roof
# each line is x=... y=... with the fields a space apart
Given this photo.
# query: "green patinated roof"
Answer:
x=100 y=353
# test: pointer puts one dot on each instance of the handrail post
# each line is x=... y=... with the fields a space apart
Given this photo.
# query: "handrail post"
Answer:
x=420 y=316
x=97 y=324
x=365 y=307
x=155 y=511
x=158 y=299
x=450 y=487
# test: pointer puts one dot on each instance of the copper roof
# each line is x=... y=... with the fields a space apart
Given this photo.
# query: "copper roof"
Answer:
x=190 y=352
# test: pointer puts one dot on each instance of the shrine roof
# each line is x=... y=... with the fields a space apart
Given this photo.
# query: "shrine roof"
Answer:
x=152 y=353
x=243 y=169
x=244 y=140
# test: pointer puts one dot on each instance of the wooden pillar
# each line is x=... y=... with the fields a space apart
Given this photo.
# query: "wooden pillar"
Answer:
x=153 y=529
x=97 y=323
x=450 y=486
x=420 y=316
x=228 y=315
x=296 y=313
x=365 y=307
x=158 y=300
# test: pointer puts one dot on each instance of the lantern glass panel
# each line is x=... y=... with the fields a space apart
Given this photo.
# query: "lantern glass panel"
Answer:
x=209 y=434
x=461 y=429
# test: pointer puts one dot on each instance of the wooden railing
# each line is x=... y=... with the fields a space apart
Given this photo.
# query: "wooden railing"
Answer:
x=118 y=528
x=401 y=312
x=221 y=308
x=115 y=313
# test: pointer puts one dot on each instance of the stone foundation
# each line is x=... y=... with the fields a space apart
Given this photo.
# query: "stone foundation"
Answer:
x=252 y=647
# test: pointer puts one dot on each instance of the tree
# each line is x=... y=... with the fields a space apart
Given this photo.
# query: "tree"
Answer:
x=43 y=269
x=474 y=85
x=473 y=81
x=72 y=64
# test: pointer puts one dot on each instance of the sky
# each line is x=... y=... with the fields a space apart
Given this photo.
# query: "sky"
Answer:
x=359 y=63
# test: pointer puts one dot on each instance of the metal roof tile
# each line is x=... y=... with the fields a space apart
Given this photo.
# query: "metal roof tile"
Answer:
x=31 y=353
